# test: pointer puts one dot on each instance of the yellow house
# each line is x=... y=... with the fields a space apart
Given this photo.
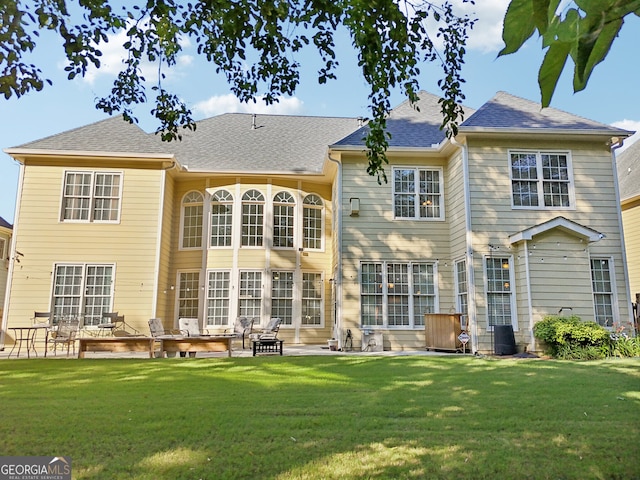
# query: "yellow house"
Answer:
x=629 y=175
x=6 y=230
x=267 y=216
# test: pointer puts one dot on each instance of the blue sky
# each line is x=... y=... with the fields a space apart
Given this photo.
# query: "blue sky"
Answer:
x=611 y=97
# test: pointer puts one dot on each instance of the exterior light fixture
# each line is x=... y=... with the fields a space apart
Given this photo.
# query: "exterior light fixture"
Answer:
x=354 y=202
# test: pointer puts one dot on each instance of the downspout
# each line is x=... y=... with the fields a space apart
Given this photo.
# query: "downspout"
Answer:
x=471 y=288
x=12 y=259
x=625 y=267
x=337 y=277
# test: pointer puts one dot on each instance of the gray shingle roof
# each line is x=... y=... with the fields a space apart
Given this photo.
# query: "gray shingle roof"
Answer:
x=628 y=163
x=5 y=224
x=278 y=143
x=110 y=135
x=506 y=111
x=409 y=127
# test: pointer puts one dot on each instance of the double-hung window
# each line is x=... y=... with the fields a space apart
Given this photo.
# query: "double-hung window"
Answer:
x=540 y=179
x=82 y=290
x=250 y=294
x=192 y=205
x=312 y=222
x=499 y=291
x=218 y=298
x=91 y=196
x=252 y=219
x=283 y=215
x=282 y=296
x=462 y=298
x=396 y=294
x=602 y=285
x=418 y=193
x=188 y=294
x=221 y=218
x=312 y=299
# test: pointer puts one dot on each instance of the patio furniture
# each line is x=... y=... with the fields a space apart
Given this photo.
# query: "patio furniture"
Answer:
x=116 y=344
x=212 y=343
x=65 y=334
x=267 y=345
x=158 y=331
x=242 y=327
x=269 y=332
x=115 y=323
x=190 y=327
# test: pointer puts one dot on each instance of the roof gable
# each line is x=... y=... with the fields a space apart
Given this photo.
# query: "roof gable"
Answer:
x=561 y=223
x=508 y=112
x=628 y=163
x=113 y=135
x=410 y=126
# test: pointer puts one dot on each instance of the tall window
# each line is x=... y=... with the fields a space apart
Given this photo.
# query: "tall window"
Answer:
x=283 y=215
x=188 y=293
x=252 y=219
x=499 y=291
x=250 y=294
x=282 y=297
x=221 y=218
x=91 y=196
x=398 y=298
x=192 y=220
x=218 y=298
x=418 y=193
x=312 y=222
x=461 y=291
x=82 y=290
x=602 y=291
x=3 y=247
x=540 y=179
x=312 y=298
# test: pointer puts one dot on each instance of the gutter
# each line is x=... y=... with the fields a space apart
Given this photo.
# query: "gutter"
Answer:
x=12 y=260
x=625 y=268
x=471 y=283
x=337 y=277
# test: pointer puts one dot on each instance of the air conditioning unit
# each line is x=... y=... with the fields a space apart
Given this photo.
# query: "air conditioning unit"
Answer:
x=372 y=341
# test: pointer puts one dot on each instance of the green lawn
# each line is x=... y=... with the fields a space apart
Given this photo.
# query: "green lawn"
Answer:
x=340 y=417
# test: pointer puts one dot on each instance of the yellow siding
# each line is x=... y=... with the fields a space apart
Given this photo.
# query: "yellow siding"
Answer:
x=631 y=221
x=130 y=244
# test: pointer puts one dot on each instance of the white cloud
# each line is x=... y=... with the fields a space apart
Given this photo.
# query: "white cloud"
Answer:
x=486 y=35
x=634 y=126
x=229 y=103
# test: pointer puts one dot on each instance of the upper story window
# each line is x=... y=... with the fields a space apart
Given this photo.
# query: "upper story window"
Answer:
x=418 y=193
x=540 y=179
x=283 y=215
x=312 y=222
x=192 y=220
x=221 y=218
x=91 y=197
x=252 y=219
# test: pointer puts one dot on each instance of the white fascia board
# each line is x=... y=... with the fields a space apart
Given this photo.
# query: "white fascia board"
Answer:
x=561 y=223
x=81 y=153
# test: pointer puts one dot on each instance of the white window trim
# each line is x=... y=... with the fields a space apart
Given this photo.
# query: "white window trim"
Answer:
x=266 y=213
x=514 y=313
x=440 y=170
x=540 y=181
x=322 y=300
x=92 y=197
x=204 y=224
x=177 y=295
x=230 y=317
x=295 y=218
x=83 y=287
x=385 y=294
x=209 y=223
x=323 y=214
x=457 y=291
x=615 y=309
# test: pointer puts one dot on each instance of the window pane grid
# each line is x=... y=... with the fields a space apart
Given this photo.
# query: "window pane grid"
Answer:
x=77 y=196
x=250 y=302
x=82 y=289
x=188 y=295
x=602 y=291
x=536 y=175
x=107 y=197
x=252 y=218
x=218 y=299
x=312 y=299
x=421 y=199
x=282 y=297
x=221 y=219
x=498 y=291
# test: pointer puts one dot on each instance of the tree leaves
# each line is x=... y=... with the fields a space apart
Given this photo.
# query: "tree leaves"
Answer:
x=253 y=42
x=584 y=30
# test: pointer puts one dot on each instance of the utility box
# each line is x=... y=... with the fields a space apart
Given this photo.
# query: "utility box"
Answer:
x=372 y=341
x=442 y=330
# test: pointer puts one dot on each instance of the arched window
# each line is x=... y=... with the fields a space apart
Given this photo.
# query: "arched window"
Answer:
x=283 y=215
x=221 y=218
x=252 y=218
x=192 y=220
x=312 y=222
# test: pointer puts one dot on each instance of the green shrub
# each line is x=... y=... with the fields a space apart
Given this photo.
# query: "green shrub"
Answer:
x=570 y=337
